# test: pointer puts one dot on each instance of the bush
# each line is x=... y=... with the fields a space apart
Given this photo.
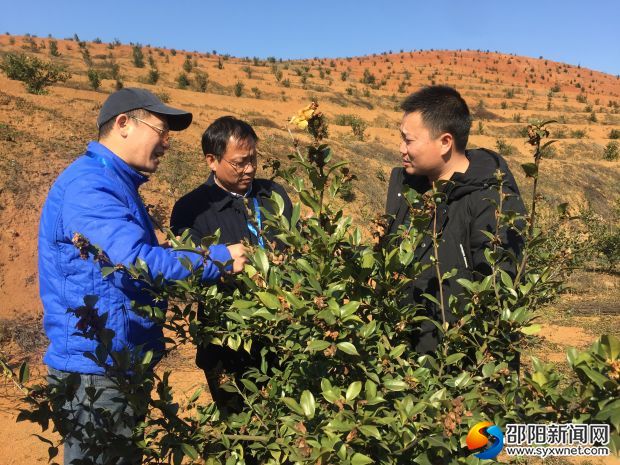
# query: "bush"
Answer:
x=257 y=92
x=614 y=134
x=163 y=96
x=504 y=148
x=54 y=48
x=611 y=151
x=238 y=89
x=187 y=65
x=201 y=81
x=36 y=74
x=94 y=79
x=578 y=133
x=153 y=76
x=137 y=56
x=368 y=78
x=182 y=81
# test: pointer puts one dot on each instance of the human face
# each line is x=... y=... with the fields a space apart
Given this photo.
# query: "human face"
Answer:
x=236 y=169
x=421 y=153
x=149 y=140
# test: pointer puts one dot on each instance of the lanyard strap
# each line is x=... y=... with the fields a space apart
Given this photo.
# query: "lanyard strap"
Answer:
x=252 y=229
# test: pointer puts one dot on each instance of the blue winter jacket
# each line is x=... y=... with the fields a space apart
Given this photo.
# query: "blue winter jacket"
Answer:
x=97 y=196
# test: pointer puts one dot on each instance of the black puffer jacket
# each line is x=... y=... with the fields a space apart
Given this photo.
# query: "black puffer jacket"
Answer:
x=461 y=218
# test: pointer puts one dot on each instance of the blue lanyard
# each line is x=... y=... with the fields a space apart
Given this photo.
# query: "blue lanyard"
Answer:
x=261 y=241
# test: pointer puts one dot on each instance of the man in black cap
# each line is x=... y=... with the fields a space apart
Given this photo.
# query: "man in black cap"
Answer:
x=97 y=198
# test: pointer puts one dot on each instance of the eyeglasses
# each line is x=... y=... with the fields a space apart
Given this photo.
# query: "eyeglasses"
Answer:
x=242 y=167
x=164 y=133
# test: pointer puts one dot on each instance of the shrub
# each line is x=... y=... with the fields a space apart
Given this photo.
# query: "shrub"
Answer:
x=187 y=65
x=238 y=89
x=504 y=148
x=94 y=79
x=36 y=74
x=578 y=133
x=368 y=78
x=201 y=81
x=137 y=56
x=54 y=48
x=257 y=92
x=582 y=98
x=358 y=125
x=286 y=82
x=182 y=81
x=153 y=76
x=611 y=151
x=614 y=134
x=163 y=96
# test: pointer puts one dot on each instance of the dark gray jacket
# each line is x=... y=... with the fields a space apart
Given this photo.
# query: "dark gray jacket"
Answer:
x=461 y=218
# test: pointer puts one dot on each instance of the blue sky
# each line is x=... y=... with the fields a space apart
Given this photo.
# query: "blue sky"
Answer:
x=571 y=31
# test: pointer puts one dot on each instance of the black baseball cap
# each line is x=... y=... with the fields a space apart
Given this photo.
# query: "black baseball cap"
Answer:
x=132 y=98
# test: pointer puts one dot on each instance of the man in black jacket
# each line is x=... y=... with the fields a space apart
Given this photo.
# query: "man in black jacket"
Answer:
x=229 y=146
x=434 y=130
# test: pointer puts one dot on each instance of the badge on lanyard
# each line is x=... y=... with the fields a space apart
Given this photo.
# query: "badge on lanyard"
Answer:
x=252 y=228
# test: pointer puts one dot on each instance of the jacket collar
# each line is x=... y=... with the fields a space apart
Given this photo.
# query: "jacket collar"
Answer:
x=113 y=162
x=222 y=199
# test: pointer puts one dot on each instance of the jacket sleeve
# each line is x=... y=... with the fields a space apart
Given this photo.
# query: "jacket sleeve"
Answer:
x=484 y=219
x=95 y=209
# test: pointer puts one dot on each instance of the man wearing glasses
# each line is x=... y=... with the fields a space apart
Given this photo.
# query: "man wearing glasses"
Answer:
x=97 y=197
x=230 y=201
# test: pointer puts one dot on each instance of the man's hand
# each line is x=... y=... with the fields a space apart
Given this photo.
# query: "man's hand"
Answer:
x=237 y=253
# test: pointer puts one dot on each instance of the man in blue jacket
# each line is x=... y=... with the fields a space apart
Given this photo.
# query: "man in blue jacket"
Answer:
x=97 y=197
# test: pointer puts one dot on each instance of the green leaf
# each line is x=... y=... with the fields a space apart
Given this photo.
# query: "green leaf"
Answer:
x=243 y=304
x=368 y=329
x=532 y=329
x=530 y=170
x=293 y=405
x=349 y=309
x=307 y=404
x=249 y=385
x=347 y=348
x=611 y=345
x=269 y=300
x=24 y=373
x=261 y=260
x=148 y=357
x=370 y=431
x=395 y=385
x=397 y=351
x=189 y=450
x=360 y=459
x=318 y=344
x=453 y=358
x=462 y=380
x=353 y=390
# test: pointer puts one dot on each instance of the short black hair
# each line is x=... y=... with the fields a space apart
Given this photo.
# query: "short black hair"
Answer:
x=443 y=110
x=216 y=136
x=106 y=128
